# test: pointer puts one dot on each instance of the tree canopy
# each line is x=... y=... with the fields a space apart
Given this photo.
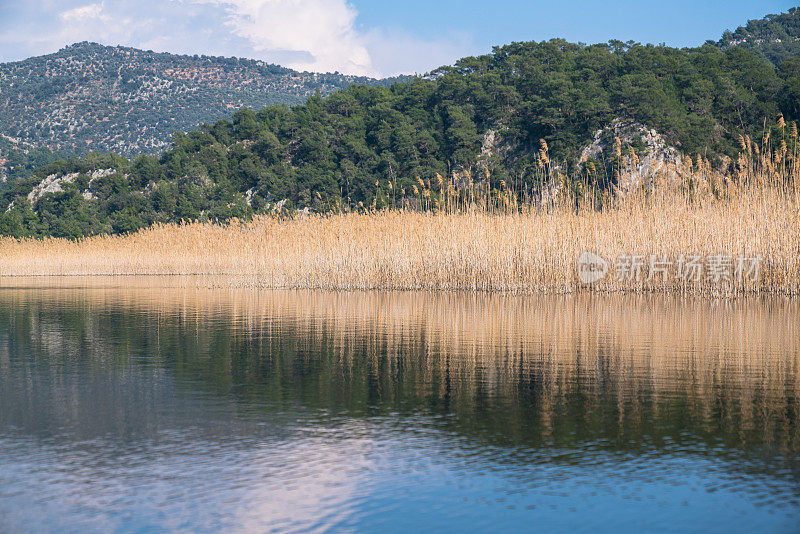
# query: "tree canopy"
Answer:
x=332 y=151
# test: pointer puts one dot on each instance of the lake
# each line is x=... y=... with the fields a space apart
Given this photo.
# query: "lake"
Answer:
x=149 y=404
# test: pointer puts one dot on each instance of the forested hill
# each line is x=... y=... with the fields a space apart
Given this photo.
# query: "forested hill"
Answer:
x=775 y=37
x=101 y=98
x=484 y=117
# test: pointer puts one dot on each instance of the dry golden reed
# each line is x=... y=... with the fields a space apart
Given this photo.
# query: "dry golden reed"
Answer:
x=477 y=243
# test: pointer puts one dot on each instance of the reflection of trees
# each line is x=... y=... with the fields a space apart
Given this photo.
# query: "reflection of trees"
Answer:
x=618 y=371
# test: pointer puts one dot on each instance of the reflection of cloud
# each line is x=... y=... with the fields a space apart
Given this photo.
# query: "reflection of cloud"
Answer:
x=312 y=486
x=316 y=35
x=181 y=482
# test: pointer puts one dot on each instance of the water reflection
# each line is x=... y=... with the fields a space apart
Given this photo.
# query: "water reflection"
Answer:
x=184 y=407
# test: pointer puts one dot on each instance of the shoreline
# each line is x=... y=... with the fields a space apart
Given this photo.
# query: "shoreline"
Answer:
x=238 y=282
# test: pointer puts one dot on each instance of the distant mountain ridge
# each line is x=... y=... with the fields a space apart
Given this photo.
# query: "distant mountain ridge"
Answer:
x=775 y=37
x=90 y=97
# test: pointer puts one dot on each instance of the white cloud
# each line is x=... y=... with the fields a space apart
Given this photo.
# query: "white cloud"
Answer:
x=314 y=35
x=323 y=29
x=84 y=13
x=396 y=52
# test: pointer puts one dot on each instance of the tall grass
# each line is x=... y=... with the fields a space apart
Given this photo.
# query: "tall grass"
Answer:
x=477 y=236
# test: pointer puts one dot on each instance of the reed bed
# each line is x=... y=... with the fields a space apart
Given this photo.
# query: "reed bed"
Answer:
x=470 y=241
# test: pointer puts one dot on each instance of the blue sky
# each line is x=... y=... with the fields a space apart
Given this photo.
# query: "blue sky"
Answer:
x=359 y=36
x=676 y=22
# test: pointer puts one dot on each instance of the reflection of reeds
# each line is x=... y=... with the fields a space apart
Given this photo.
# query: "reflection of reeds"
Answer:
x=738 y=361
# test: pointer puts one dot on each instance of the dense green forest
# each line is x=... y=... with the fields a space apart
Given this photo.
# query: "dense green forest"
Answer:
x=775 y=37
x=363 y=145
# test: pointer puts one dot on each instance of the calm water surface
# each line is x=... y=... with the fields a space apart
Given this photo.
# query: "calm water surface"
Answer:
x=141 y=408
